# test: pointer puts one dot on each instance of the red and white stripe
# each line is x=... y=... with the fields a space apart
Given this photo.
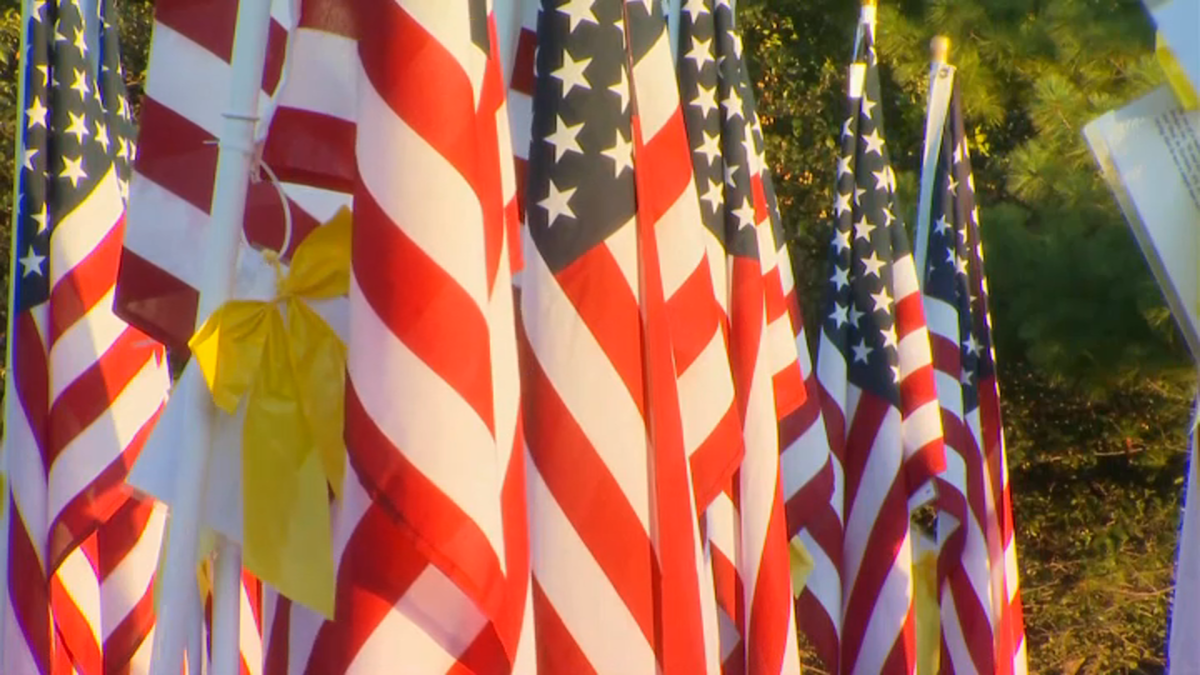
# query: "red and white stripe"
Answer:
x=128 y=544
x=888 y=456
x=810 y=469
x=170 y=193
x=82 y=394
x=981 y=613
x=432 y=546
x=623 y=446
x=747 y=527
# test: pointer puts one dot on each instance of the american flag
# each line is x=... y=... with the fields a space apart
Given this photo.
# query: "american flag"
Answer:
x=746 y=525
x=170 y=191
x=430 y=534
x=630 y=410
x=83 y=388
x=982 y=626
x=874 y=367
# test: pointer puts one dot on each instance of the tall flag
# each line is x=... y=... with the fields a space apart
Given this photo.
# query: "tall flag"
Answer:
x=874 y=367
x=131 y=538
x=982 y=627
x=630 y=409
x=430 y=534
x=746 y=525
x=311 y=143
x=83 y=388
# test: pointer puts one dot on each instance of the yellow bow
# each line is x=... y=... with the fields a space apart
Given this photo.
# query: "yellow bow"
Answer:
x=287 y=366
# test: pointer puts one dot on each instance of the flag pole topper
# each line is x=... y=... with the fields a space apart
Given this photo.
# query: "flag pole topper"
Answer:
x=939 y=48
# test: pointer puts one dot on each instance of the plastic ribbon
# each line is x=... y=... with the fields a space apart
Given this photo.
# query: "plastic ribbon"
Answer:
x=285 y=366
x=1176 y=77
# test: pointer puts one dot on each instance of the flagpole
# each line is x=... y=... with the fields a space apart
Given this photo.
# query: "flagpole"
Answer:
x=236 y=151
x=941 y=77
x=674 y=8
x=11 y=400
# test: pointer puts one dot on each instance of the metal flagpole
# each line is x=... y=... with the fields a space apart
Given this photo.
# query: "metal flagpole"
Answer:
x=236 y=151
x=10 y=398
x=941 y=79
x=674 y=7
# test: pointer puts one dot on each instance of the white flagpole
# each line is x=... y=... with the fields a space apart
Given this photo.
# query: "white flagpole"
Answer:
x=674 y=7
x=941 y=79
x=10 y=400
x=234 y=159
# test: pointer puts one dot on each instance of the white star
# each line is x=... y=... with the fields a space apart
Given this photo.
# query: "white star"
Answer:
x=855 y=315
x=40 y=218
x=858 y=193
x=730 y=173
x=745 y=214
x=565 y=138
x=895 y=372
x=889 y=337
x=839 y=315
x=124 y=151
x=123 y=104
x=888 y=217
x=695 y=8
x=843 y=203
x=965 y=376
x=885 y=179
x=29 y=157
x=844 y=166
x=123 y=188
x=867 y=105
x=732 y=104
x=81 y=41
x=78 y=127
x=577 y=12
x=846 y=127
x=32 y=263
x=950 y=255
x=958 y=152
x=842 y=240
x=882 y=300
x=36 y=114
x=700 y=52
x=941 y=226
x=961 y=265
x=621 y=153
x=621 y=89
x=975 y=215
x=571 y=74
x=557 y=203
x=874 y=142
x=863 y=228
x=44 y=71
x=38 y=6
x=873 y=264
x=952 y=185
x=706 y=100
x=710 y=148
x=862 y=351
x=80 y=84
x=712 y=195
x=973 y=345
x=73 y=170
x=102 y=136
x=841 y=278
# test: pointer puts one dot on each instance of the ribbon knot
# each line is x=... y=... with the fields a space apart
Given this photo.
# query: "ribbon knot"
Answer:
x=280 y=367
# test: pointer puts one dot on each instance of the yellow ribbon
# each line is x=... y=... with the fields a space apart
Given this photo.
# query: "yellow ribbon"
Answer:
x=1176 y=77
x=928 y=613
x=287 y=366
x=800 y=564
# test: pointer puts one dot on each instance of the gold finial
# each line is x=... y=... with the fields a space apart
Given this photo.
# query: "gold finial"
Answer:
x=939 y=48
x=869 y=3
